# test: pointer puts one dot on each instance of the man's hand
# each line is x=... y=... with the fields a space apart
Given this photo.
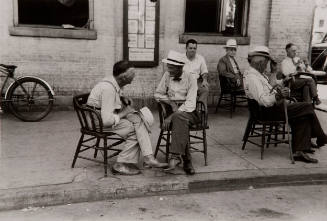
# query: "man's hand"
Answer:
x=238 y=82
x=126 y=101
x=285 y=92
x=174 y=106
x=205 y=83
x=166 y=123
x=126 y=110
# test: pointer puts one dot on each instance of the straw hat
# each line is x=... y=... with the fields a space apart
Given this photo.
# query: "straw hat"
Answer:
x=260 y=51
x=231 y=43
x=174 y=58
x=147 y=117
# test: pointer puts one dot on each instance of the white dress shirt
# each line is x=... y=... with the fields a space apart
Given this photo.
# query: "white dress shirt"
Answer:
x=257 y=87
x=183 y=90
x=197 y=66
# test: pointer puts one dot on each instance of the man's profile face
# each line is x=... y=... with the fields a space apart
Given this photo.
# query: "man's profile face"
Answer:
x=231 y=52
x=291 y=52
x=191 y=50
x=175 y=70
x=128 y=76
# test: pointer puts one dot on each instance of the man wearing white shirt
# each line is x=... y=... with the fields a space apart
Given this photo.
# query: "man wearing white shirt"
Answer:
x=196 y=65
x=302 y=118
x=290 y=66
x=178 y=89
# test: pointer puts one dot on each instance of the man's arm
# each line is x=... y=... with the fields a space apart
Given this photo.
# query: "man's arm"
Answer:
x=190 y=103
x=256 y=89
x=222 y=70
x=204 y=72
x=108 y=116
x=161 y=91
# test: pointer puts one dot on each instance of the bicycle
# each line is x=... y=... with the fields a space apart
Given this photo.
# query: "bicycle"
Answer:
x=28 y=98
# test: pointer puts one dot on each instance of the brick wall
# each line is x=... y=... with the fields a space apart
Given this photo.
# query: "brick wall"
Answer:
x=72 y=66
x=291 y=21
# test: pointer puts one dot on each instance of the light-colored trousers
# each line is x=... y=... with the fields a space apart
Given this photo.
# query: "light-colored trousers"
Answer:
x=137 y=138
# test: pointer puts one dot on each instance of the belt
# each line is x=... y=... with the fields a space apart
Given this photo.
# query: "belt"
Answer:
x=93 y=107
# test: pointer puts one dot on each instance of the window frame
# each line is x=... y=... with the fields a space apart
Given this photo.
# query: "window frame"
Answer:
x=35 y=30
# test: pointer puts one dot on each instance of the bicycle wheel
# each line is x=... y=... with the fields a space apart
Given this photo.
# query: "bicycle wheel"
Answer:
x=30 y=99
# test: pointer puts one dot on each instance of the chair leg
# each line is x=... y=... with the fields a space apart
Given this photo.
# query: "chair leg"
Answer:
x=79 y=145
x=167 y=145
x=158 y=143
x=105 y=156
x=269 y=135
x=219 y=101
x=247 y=133
x=276 y=134
x=205 y=150
x=263 y=138
x=231 y=105
x=96 y=150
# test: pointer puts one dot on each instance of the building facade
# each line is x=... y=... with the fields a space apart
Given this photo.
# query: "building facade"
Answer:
x=72 y=58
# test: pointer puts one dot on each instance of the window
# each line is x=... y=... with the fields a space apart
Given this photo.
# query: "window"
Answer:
x=228 y=17
x=73 y=13
x=54 y=18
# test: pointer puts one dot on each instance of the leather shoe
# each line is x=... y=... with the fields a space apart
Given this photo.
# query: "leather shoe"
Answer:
x=152 y=162
x=188 y=167
x=124 y=169
x=304 y=158
x=173 y=163
x=321 y=141
x=313 y=145
x=309 y=151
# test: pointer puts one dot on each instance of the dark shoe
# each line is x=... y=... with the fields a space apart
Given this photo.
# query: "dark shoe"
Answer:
x=305 y=158
x=313 y=145
x=188 y=167
x=321 y=141
x=316 y=100
x=124 y=169
x=152 y=162
x=174 y=161
x=309 y=151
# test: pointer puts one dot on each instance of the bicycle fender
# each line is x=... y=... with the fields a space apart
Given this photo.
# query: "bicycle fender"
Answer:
x=46 y=83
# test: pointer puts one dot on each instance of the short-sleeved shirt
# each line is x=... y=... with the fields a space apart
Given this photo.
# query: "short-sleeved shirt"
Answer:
x=197 y=66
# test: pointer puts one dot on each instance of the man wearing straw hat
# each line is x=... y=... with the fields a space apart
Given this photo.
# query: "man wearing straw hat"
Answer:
x=178 y=89
x=302 y=118
x=228 y=67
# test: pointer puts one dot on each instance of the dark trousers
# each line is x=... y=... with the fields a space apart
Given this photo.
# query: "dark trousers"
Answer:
x=303 y=121
x=305 y=84
x=181 y=122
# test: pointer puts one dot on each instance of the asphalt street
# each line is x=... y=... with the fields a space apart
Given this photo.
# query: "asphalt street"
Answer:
x=300 y=203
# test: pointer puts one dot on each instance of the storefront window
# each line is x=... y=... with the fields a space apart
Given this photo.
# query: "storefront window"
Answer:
x=228 y=17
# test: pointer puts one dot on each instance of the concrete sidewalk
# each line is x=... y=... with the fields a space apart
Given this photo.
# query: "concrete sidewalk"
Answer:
x=36 y=158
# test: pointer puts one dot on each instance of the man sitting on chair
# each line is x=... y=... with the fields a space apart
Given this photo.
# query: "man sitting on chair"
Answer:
x=120 y=117
x=178 y=89
x=302 y=118
x=291 y=65
x=228 y=67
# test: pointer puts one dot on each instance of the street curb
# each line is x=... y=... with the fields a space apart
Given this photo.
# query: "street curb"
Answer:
x=111 y=189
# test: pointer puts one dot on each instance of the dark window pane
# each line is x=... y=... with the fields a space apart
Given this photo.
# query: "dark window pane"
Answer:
x=53 y=12
x=201 y=16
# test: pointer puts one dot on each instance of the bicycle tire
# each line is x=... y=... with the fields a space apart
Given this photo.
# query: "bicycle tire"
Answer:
x=32 y=104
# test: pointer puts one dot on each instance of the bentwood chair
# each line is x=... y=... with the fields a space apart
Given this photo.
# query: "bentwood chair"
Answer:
x=197 y=133
x=233 y=97
x=261 y=132
x=93 y=135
